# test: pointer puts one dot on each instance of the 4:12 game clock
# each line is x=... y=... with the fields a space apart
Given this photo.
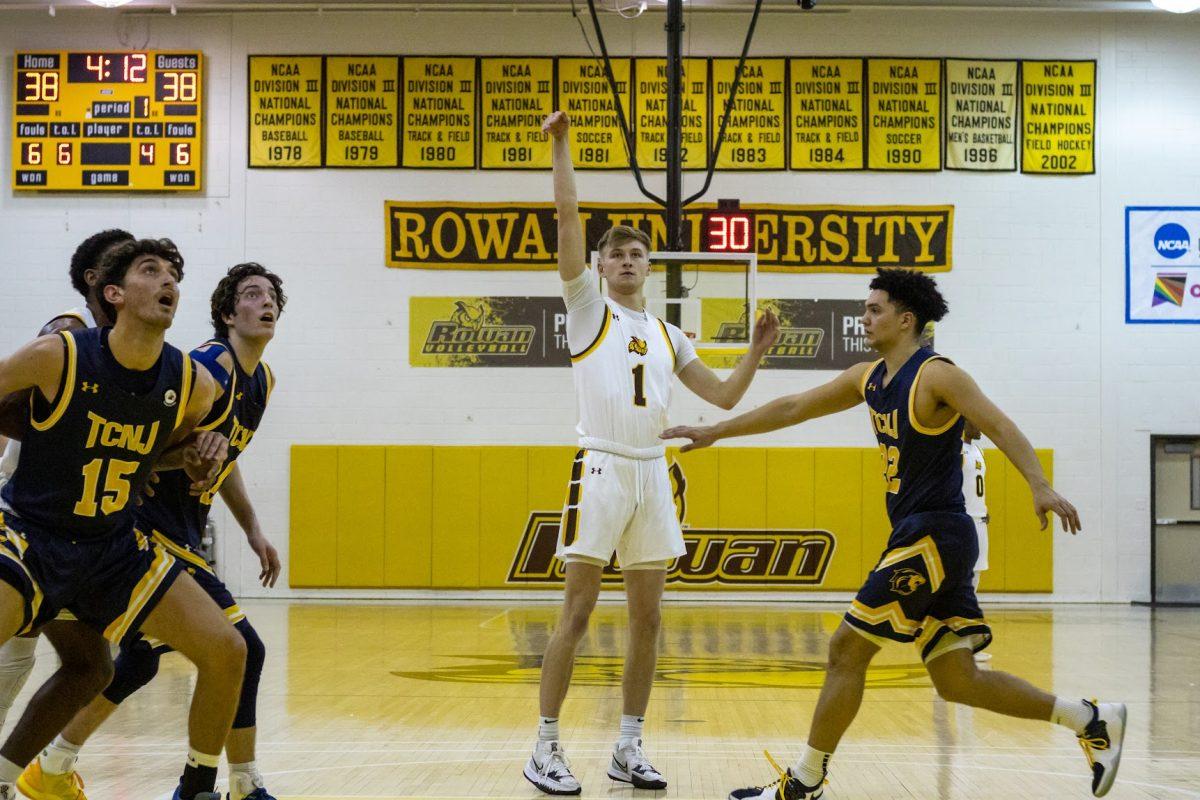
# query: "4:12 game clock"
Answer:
x=108 y=121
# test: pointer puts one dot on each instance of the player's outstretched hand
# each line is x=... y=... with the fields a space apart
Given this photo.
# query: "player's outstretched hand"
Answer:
x=766 y=332
x=1047 y=500
x=268 y=559
x=702 y=436
x=203 y=459
x=557 y=124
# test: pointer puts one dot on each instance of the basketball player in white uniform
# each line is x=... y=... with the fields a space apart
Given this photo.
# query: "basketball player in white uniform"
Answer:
x=619 y=499
x=974 y=470
x=17 y=655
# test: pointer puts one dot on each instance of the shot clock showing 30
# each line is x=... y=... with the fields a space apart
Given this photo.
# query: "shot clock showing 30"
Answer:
x=108 y=121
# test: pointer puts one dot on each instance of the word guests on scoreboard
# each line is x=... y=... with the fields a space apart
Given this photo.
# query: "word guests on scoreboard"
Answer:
x=803 y=113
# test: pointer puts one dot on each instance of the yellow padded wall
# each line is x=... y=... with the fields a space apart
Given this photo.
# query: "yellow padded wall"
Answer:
x=360 y=516
x=504 y=507
x=408 y=517
x=456 y=517
x=312 y=547
x=837 y=485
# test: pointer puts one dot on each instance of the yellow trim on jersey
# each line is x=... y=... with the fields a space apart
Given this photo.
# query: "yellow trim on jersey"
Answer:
x=270 y=380
x=65 y=390
x=160 y=567
x=179 y=551
x=912 y=411
x=927 y=550
x=604 y=326
x=234 y=614
x=891 y=613
x=670 y=344
x=230 y=392
x=862 y=385
x=185 y=390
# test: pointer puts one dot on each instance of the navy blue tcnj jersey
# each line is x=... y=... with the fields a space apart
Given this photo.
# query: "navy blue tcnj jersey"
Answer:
x=172 y=512
x=921 y=466
x=86 y=457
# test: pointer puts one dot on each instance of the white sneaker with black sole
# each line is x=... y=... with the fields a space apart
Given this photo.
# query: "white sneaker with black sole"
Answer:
x=549 y=770
x=1101 y=741
x=630 y=765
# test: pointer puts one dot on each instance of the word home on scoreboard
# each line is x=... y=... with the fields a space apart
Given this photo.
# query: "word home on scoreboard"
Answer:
x=108 y=121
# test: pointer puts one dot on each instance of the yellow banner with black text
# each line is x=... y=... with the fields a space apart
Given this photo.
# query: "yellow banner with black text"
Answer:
x=789 y=238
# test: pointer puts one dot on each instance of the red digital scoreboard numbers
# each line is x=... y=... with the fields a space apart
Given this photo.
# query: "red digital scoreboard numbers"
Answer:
x=727 y=229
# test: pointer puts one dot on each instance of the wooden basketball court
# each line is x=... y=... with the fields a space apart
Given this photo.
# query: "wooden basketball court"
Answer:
x=439 y=701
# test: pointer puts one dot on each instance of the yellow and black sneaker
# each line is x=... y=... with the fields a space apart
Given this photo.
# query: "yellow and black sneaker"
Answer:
x=39 y=785
x=1101 y=741
x=786 y=787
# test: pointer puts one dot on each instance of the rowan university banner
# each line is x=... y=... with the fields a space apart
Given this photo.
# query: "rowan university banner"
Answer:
x=789 y=238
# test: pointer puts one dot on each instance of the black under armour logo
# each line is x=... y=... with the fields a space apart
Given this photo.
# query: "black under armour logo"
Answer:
x=597 y=470
x=94 y=388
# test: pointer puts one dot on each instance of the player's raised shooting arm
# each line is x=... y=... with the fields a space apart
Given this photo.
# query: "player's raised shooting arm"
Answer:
x=839 y=394
x=952 y=386
x=572 y=259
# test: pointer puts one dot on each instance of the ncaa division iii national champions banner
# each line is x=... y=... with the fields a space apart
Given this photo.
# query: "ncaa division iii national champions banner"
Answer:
x=1162 y=264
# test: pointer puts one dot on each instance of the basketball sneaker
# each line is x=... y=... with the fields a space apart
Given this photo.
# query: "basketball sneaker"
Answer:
x=258 y=794
x=786 y=787
x=630 y=765
x=549 y=770
x=1101 y=741
x=200 y=796
x=39 y=785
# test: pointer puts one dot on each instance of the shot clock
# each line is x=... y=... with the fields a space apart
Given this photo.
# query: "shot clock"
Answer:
x=108 y=121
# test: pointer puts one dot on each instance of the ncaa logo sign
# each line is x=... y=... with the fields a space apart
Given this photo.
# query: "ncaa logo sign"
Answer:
x=1171 y=240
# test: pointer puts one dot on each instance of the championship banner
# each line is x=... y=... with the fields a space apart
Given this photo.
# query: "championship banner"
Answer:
x=981 y=121
x=1162 y=265
x=284 y=111
x=754 y=134
x=518 y=94
x=584 y=93
x=790 y=238
x=827 y=128
x=362 y=110
x=531 y=332
x=650 y=113
x=439 y=113
x=1058 y=117
x=904 y=104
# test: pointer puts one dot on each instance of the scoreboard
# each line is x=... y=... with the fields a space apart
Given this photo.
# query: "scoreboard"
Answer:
x=108 y=121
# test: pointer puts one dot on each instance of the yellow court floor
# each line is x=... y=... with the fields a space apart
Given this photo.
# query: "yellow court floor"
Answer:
x=440 y=701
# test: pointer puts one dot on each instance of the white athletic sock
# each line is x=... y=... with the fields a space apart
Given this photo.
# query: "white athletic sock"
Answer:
x=810 y=769
x=16 y=662
x=1073 y=714
x=60 y=756
x=244 y=779
x=631 y=729
x=9 y=772
x=547 y=729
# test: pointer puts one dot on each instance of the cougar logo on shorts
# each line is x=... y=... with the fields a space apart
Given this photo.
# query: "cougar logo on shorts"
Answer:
x=637 y=345
x=906 y=581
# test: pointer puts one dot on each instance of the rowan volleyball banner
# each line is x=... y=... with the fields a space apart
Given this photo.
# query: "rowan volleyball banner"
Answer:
x=531 y=332
x=799 y=239
x=1162 y=264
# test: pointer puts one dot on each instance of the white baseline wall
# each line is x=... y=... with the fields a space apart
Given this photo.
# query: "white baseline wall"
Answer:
x=1036 y=293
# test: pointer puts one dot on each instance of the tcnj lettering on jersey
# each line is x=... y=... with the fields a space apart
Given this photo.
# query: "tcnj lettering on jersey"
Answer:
x=118 y=434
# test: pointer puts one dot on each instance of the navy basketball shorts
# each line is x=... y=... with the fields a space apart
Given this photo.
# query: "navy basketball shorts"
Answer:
x=111 y=584
x=921 y=590
x=194 y=564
